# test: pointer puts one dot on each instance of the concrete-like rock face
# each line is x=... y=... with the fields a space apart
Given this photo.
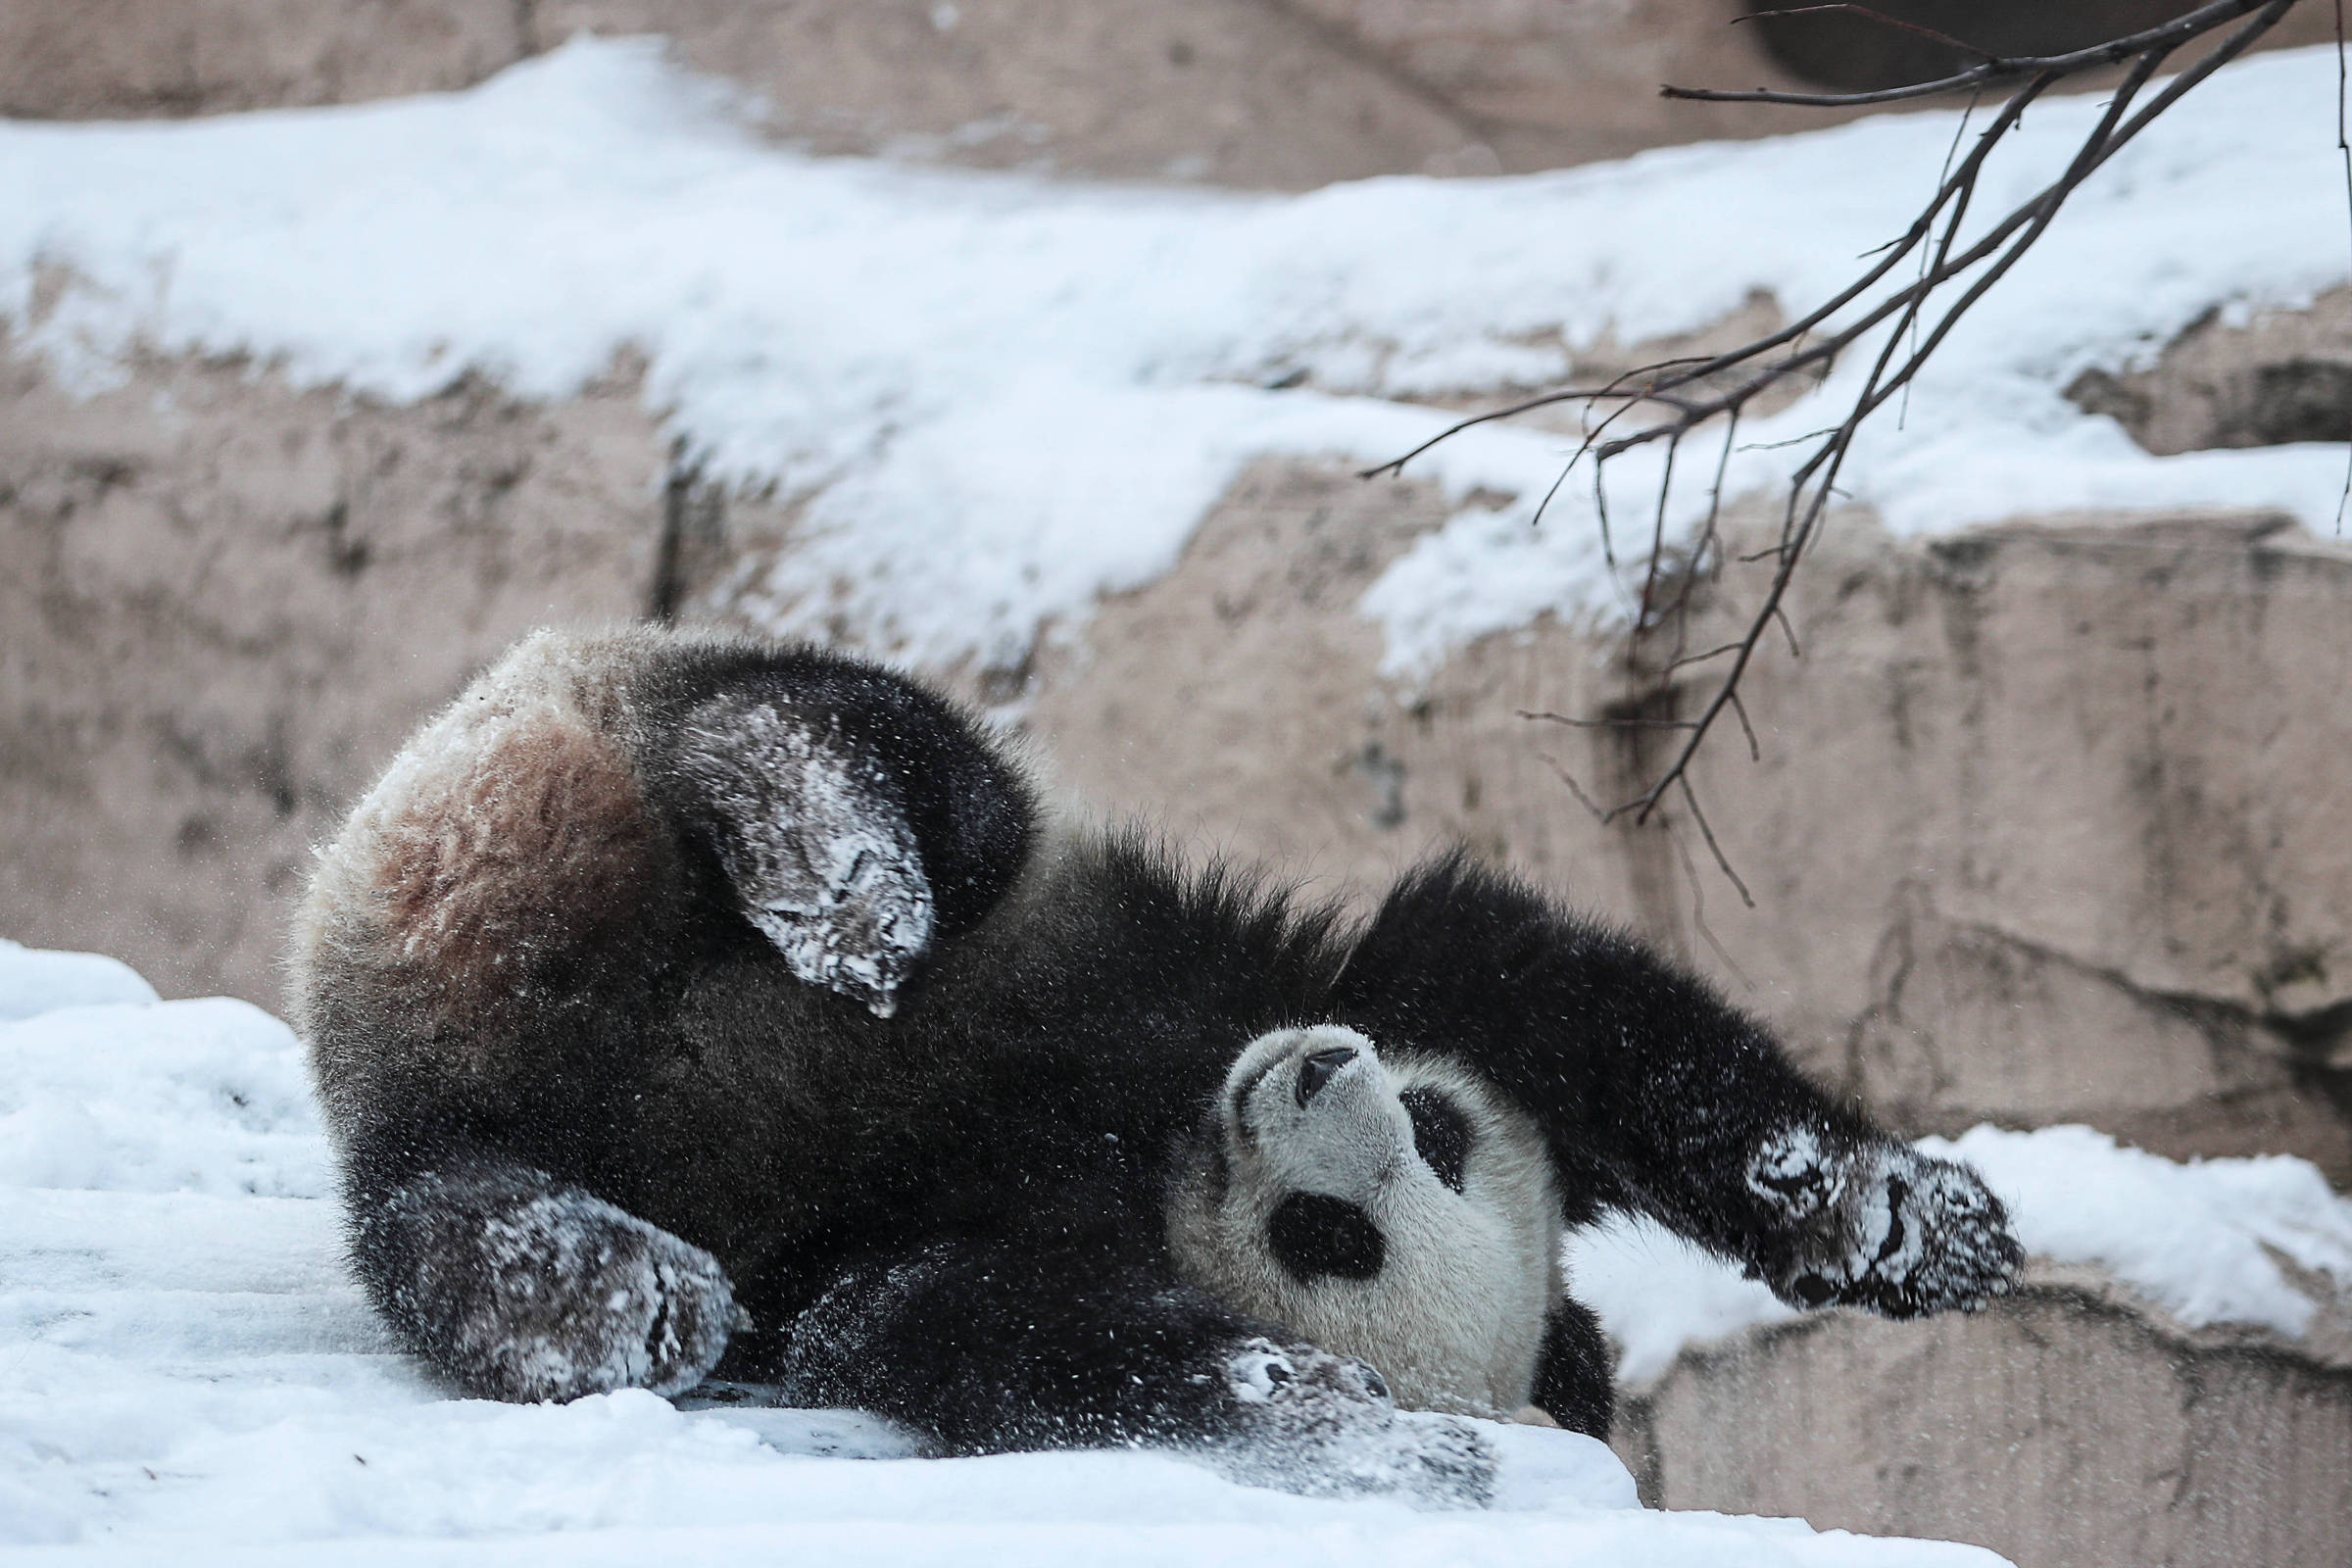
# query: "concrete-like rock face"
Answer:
x=223 y=602
x=131 y=58
x=2066 y=1428
x=1276 y=93
x=2274 y=378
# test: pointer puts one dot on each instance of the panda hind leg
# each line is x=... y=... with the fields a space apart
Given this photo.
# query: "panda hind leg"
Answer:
x=519 y=1287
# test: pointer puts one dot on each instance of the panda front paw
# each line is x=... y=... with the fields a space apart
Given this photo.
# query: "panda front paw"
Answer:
x=1881 y=1226
x=1322 y=1425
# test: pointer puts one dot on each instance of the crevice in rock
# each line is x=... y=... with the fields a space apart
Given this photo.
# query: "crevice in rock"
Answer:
x=693 y=535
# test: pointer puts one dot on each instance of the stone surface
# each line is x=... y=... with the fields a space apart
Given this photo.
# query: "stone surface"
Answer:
x=2066 y=1428
x=2276 y=377
x=131 y=58
x=224 y=602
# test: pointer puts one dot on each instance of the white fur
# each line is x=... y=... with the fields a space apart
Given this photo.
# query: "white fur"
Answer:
x=1455 y=1319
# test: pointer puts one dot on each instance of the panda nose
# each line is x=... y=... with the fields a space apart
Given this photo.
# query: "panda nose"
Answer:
x=1317 y=1069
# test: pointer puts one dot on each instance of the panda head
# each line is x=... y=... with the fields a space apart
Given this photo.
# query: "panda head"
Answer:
x=1395 y=1210
x=1315 y=1127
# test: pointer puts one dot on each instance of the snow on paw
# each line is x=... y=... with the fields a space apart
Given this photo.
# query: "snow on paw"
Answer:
x=1881 y=1226
x=1323 y=1425
x=821 y=861
x=582 y=1298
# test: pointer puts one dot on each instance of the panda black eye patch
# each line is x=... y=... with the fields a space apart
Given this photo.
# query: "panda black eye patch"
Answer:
x=1441 y=1134
x=1313 y=1234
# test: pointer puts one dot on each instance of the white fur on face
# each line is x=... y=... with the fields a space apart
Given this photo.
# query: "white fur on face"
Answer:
x=1455 y=1318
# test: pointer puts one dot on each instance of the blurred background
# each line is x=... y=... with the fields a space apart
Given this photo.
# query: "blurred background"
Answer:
x=2047 y=826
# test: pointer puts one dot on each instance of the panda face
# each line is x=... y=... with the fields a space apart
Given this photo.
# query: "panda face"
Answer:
x=1393 y=1210
x=1313 y=1116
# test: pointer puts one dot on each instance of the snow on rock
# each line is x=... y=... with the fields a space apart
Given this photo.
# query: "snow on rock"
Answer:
x=2194 y=1240
x=997 y=397
x=35 y=981
x=186 y=1375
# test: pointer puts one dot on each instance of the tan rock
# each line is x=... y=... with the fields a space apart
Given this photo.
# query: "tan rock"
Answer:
x=224 y=602
x=2068 y=1426
x=130 y=59
x=2278 y=376
x=1277 y=93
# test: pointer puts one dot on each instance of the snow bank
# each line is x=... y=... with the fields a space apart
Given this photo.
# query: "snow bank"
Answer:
x=998 y=398
x=187 y=1375
x=33 y=981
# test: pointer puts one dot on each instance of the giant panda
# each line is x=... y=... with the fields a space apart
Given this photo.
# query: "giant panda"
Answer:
x=682 y=1004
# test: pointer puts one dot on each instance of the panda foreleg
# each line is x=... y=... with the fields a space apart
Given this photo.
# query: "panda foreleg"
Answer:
x=519 y=1287
x=1575 y=1384
x=1653 y=1094
x=987 y=1348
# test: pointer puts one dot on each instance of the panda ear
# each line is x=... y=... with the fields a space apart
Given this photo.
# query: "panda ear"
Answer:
x=821 y=858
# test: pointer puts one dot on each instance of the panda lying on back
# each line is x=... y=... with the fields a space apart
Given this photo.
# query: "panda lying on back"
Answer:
x=674 y=998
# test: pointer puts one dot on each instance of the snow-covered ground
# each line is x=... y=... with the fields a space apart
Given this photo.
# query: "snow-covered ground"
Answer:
x=1001 y=396
x=186 y=1375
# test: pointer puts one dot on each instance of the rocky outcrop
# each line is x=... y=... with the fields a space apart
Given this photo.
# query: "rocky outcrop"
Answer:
x=2254 y=379
x=221 y=605
x=2066 y=1428
x=1279 y=93
x=132 y=59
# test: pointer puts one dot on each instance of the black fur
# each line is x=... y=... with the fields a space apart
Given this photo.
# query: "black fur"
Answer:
x=1572 y=1376
x=1311 y=1234
x=1441 y=1134
x=953 y=1214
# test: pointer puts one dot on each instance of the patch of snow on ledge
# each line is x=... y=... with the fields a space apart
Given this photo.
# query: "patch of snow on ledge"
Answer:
x=997 y=398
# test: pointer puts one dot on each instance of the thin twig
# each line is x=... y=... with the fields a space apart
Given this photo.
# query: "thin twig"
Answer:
x=1723 y=862
x=2343 y=148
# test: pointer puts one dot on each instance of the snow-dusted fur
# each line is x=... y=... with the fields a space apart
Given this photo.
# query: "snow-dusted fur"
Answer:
x=674 y=998
x=1467 y=1268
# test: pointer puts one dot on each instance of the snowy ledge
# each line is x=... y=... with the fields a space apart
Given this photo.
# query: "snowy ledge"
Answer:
x=993 y=398
x=185 y=1363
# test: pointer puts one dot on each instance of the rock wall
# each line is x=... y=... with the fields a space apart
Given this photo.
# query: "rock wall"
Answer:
x=221 y=605
x=1280 y=93
x=2067 y=1428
